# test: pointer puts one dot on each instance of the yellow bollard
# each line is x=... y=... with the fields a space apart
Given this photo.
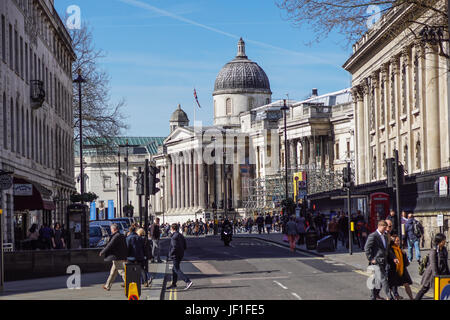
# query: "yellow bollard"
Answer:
x=442 y=288
x=133 y=293
x=352 y=227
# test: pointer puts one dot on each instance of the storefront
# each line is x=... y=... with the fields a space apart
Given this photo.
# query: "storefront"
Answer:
x=33 y=204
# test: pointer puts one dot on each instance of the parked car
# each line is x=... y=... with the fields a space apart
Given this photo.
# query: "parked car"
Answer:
x=98 y=236
x=107 y=224
x=125 y=221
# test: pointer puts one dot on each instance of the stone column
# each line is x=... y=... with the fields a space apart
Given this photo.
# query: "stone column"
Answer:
x=175 y=183
x=236 y=185
x=322 y=152
x=201 y=182
x=191 y=180
x=359 y=124
x=291 y=146
x=186 y=184
x=312 y=160
x=433 y=147
x=195 y=159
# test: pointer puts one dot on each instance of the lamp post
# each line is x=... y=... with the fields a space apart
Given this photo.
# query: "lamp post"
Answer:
x=80 y=80
x=284 y=109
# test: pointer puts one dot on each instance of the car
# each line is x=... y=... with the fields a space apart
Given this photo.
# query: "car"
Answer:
x=125 y=221
x=107 y=224
x=98 y=236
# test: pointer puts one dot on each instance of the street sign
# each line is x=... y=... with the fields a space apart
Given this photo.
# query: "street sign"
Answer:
x=440 y=220
x=6 y=182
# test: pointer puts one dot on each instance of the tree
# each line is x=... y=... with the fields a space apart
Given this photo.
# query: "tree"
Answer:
x=353 y=18
x=102 y=119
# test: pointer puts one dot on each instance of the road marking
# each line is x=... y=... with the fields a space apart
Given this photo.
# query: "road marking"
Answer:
x=296 y=295
x=228 y=280
x=206 y=268
x=285 y=288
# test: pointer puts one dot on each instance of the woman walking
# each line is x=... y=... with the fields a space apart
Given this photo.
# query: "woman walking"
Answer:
x=398 y=273
x=57 y=238
x=438 y=265
x=292 y=233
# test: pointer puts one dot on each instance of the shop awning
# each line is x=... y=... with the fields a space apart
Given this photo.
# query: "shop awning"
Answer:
x=31 y=196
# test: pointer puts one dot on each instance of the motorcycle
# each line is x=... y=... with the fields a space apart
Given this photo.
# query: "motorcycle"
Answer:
x=226 y=236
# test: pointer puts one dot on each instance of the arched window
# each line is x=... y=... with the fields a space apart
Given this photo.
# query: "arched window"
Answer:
x=23 y=133
x=251 y=103
x=228 y=107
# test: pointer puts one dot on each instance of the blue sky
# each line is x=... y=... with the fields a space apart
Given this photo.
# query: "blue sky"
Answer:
x=159 y=50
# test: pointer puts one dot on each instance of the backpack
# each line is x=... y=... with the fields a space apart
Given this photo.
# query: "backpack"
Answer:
x=417 y=229
x=424 y=264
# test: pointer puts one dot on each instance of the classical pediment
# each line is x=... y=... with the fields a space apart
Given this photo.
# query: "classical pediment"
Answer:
x=179 y=134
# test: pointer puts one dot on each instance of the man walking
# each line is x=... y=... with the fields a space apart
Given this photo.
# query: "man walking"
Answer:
x=176 y=253
x=268 y=222
x=414 y=232
x=155 y=232
x=393 y=218
x=260 y=223
x=116 y=251
x=377 y=252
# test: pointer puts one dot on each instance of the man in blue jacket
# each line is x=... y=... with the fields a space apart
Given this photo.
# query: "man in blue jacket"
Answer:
x=135 y=245
x=176 y=253
x=413 y=230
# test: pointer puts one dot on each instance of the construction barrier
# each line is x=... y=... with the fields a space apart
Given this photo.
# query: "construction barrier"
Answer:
x=442 y=287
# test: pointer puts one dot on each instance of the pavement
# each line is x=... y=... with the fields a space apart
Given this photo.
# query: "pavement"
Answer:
x=357 y=259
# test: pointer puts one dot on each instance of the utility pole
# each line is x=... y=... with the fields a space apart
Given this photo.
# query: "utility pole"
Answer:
x=348 y=183
x=397 y=193
x=128 y=196
x=140 y=192
x=146 y=195
x=120 y=183
x=284 y=109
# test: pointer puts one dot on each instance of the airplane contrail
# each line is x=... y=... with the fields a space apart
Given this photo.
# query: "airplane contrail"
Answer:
x=162 y=12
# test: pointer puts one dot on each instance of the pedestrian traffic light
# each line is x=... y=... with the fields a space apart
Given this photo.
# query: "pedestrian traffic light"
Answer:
x=153 y=180
x=390 y=172
x=140 y=184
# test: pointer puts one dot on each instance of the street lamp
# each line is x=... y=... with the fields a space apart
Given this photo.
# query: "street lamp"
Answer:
x=284 y=108
x=80 y=80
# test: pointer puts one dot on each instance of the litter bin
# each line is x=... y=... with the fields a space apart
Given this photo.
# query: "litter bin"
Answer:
x=132 y=274
x=311 y=240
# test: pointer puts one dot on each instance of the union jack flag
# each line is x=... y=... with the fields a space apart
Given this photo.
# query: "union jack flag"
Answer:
x=196 y=99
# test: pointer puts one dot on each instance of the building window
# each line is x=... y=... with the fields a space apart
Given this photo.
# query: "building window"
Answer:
x=418 y=157
x=251 y=103
x=5 y=123
x=267 y=101
x=12 y=125
x=3 y=39
x=337 y=151
x=228 y=107
x=23 y=132
x=18 y=149
x=11 y=65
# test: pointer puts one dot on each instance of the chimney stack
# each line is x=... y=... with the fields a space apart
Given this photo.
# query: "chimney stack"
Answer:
x=315 y=92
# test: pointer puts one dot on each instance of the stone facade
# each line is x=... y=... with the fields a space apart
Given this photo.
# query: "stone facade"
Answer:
x=36 y=135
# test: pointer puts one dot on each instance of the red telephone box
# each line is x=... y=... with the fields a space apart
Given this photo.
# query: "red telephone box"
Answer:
x=379 y=209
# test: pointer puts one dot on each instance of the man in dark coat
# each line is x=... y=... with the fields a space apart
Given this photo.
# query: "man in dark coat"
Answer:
x=135 y=245
x=155 y=233
x=260 y=222
x=176 y=253
x=377 y=252
x=437 y=266
x=413 y=239
x=394 y=218
x=116 y=251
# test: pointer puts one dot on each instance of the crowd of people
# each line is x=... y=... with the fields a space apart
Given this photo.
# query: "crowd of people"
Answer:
x=138 y=248
x=46 y=238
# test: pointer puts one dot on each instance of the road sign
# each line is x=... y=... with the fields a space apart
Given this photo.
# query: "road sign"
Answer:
x=440 y=220
x=6 y=182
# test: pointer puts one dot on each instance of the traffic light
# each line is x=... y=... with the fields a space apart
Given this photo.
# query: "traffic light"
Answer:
x=153 y=180
x=140 y=184
x=347 y=176
x=390 y=172
x=221 y=205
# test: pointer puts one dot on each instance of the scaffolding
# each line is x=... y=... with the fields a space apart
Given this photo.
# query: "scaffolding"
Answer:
x=265 y=194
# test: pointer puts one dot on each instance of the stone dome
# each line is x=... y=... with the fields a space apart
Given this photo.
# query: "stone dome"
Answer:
x=241 y=75
x=179 y=115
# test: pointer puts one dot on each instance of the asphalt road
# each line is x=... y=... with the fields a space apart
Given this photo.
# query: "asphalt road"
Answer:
x=253 y=269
